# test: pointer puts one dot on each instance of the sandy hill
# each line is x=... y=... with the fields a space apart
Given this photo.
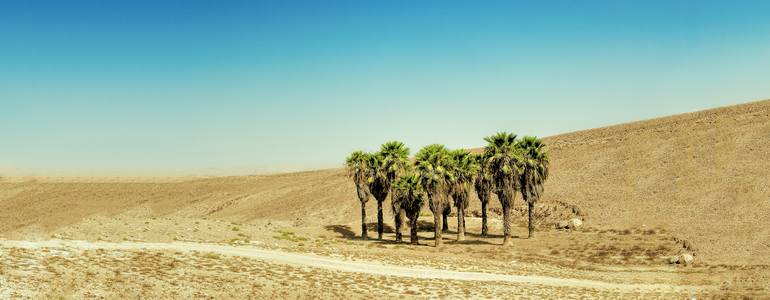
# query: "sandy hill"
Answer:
x=705 y=176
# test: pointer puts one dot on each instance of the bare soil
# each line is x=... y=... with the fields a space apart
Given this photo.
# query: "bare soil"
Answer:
x=696 y=182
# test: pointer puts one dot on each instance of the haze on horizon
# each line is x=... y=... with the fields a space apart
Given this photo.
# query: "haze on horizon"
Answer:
x=211 y=88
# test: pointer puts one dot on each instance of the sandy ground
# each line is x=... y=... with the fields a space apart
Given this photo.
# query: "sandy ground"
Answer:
x=238 y=260
x=365 y=267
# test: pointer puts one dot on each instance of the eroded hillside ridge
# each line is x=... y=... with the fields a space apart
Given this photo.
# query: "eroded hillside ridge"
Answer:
x=703 y=174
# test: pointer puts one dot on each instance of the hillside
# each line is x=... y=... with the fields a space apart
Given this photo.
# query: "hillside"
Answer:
x=703 y=176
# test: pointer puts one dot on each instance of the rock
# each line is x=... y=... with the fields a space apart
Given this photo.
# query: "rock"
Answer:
x=562 y=225
x=686 y=259
x=575 y=223
x=673 y=259
x=570 y=224
x=682 y=259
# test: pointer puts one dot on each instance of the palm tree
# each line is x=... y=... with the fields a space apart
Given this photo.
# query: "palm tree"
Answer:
x=395 y=162
x=505 y=166
x=534 y=173
x=408 y=193
x=434 y=166
x=464 y=168
x=483 y=186
x=357 y=166
x=379 y=186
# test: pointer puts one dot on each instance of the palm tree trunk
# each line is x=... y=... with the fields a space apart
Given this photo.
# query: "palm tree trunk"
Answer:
x=380 y=226
x=484 y=228
x=364 y=234
x=413 y=231
x=506 y=223
x=402 y=213
x=445 y=224
x=398 y=221
x=437 y=224
x=460 y=224
x=531 y=226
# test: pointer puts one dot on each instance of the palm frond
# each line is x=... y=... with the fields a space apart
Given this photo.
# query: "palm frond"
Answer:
x=434 y=166
x=535 y=165
x=504 y=160
x=395 y=159
x=408 y=193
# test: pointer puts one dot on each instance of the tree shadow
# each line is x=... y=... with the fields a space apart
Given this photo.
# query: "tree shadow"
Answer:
x=489 y=235
x=470 y=242
x=343 y=230
x=428 y=226
x=372 y=227
x=346 y=232
x=425 y=225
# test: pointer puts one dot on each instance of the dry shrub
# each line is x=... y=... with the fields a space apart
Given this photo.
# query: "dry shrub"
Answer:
x=496 y=210
x=545 y=213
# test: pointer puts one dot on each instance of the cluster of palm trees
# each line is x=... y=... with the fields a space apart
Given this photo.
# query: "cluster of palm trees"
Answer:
x=443 y=177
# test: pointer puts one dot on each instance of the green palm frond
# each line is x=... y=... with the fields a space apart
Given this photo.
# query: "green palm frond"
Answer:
x=376 y=177
x=357 y=164
x=395 y=159
x=483 y=180
x=535 y=165
x=536 y=156
x=465 y=166
x=434 y=166
x=504 y=157
x=408 y=191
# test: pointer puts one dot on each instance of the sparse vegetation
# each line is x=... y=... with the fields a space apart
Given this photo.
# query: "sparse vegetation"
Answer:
x=211 y=255
x=289 y=236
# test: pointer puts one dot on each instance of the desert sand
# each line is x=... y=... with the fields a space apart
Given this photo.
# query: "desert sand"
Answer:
x=696 y=183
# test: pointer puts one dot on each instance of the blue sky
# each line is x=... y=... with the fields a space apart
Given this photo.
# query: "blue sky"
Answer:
x=238 y=87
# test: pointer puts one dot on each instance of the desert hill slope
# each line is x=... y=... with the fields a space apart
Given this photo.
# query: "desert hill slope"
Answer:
x=704 y=176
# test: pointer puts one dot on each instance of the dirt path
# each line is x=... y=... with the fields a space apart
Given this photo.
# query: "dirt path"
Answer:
x=367 y=267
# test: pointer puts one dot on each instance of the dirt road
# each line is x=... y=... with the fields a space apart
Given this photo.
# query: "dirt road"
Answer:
x=366 y=267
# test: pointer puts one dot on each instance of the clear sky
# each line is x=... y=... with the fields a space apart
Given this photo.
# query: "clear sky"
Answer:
x=236 y=87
